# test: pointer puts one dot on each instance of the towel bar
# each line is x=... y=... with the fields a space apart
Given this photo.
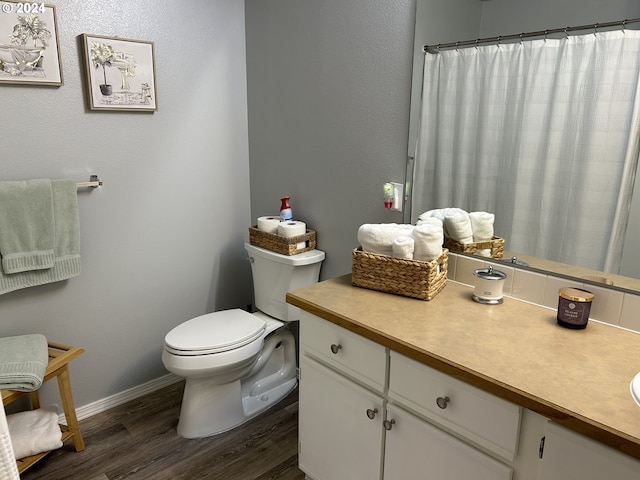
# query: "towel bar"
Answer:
x=93 y=182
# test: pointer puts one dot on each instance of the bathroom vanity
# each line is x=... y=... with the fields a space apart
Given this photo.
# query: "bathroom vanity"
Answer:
x=392 y=387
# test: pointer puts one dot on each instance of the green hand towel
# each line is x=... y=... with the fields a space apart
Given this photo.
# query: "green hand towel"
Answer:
x=26 y=225
x=66 y=246
x=23 y=361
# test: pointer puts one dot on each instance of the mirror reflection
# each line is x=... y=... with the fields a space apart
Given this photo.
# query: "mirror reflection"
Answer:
x=550 y=150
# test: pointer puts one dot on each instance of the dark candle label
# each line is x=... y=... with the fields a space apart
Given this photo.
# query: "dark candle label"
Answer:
x=573 y=313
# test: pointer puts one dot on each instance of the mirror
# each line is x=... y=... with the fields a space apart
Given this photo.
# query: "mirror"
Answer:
x=443 y=21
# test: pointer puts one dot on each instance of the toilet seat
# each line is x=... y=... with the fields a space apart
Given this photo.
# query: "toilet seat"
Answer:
x=215 y=332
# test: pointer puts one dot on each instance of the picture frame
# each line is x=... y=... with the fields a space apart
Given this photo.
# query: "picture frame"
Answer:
x=120 y=73
x=29 y=45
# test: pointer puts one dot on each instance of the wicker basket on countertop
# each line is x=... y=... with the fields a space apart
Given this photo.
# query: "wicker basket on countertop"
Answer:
x=399 y=276
x=280 y=244
x=496 y=245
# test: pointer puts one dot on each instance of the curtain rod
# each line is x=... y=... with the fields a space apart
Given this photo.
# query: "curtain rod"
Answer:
x=520 y=36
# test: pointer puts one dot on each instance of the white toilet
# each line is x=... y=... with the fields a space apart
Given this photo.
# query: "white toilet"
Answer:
x=237 y=364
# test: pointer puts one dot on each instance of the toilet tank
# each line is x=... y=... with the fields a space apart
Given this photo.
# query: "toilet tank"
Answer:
x=275 y=274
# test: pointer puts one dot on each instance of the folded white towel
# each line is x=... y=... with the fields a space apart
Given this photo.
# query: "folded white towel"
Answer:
x=34 y=431
x=378 y=237
x=482 y=226
x=428 y=240
x=403 y=247
x=440 y=213
x=436 y=213
x=435 y=221
x=457 y=226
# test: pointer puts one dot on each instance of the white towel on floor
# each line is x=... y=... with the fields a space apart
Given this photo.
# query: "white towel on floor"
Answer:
x=428 y=240
x=403 y=247
x=378 y=237
x=482 y=226
x=457 y=226
x=34 y=431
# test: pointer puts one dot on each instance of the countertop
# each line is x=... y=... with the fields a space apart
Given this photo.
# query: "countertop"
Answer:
x=516 y=350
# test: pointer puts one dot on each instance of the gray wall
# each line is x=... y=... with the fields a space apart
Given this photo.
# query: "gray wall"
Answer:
x=162 y=239
x=329 y=92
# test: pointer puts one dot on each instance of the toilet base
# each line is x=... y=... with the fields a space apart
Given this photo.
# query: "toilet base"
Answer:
x=209 y=408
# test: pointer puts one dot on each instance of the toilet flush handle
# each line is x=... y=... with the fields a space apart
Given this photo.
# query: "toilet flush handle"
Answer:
x=335 y=348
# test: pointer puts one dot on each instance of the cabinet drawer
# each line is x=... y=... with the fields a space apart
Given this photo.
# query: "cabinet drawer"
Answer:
x=482 y=418
x=356 y=357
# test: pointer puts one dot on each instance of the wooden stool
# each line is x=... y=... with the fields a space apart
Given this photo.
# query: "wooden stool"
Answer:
x=58 y=366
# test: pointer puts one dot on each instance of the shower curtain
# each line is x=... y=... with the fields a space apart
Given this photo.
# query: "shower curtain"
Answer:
x=543 y=133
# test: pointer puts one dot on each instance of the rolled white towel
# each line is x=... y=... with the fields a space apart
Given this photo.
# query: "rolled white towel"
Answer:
x=457 y=226
x=378 y=237
x=482 y=227
x=403 y=247
x=428 y=240
x=34 y=431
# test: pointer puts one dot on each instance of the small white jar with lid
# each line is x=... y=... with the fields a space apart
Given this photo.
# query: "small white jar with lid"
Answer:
x=489 y=285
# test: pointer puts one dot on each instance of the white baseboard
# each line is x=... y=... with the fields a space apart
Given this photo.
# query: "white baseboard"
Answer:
x=105 y=404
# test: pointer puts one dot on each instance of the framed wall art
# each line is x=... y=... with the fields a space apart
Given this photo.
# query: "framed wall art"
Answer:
x=120 y=74
x=29 y=47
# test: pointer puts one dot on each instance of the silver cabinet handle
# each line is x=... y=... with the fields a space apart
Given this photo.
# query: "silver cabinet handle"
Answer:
x=442 y=402
x=371 y=413
x=335 y=348
x=388 y=424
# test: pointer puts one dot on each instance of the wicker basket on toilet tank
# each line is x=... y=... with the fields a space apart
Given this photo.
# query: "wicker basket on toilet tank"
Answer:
x=280 y=244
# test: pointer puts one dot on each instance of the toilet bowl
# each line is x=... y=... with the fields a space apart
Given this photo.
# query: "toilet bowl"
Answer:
x=238 y=364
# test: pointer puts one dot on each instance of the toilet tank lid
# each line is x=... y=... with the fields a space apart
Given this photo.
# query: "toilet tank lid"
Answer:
x=305 y=258
x=216 y=331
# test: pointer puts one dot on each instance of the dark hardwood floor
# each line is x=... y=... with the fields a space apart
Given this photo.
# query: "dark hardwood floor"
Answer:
x=138 y=440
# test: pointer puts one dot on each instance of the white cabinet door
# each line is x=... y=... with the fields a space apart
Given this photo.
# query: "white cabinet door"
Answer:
x=337 y=439
x=416 y=449
x=570 y=456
